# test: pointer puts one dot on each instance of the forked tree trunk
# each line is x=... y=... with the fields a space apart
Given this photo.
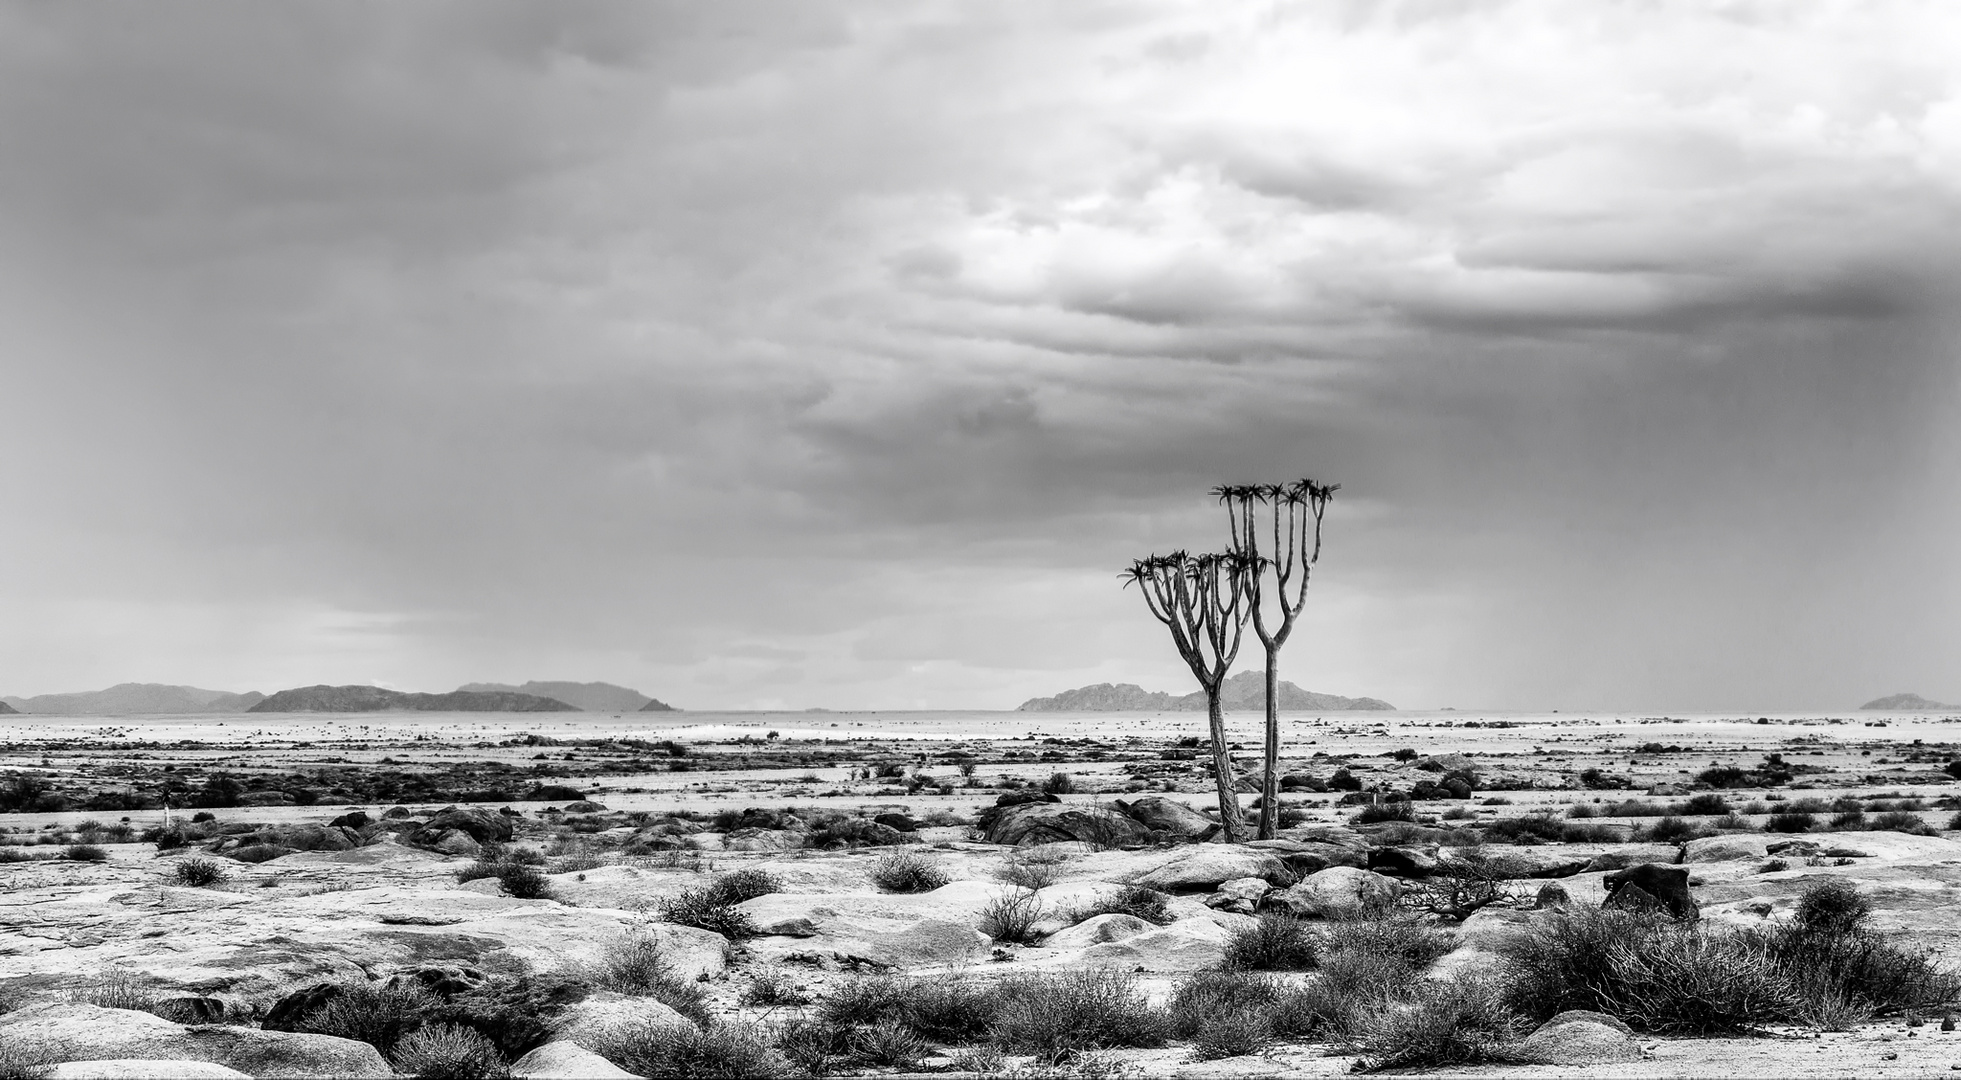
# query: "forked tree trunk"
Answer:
x=1222 y=768
x=1270 y=776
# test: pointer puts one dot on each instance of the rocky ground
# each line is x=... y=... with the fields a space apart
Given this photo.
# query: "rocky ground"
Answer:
x=319 y=888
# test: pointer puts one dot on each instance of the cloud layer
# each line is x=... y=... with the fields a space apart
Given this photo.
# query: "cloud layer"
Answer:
x=840 y=354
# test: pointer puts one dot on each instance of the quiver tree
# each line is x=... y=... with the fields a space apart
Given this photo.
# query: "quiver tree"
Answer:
x=1276 y=533
x=1203 y=600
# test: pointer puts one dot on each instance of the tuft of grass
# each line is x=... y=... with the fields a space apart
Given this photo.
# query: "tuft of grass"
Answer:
x=1273 y=942
x=888 y=1045
x=199 y=873
x=448 y=1052
x=772 y=986
x=116 y=988
x=1790 y=823
x=1056 y=1015
x=1225 y=1014
x=85 y=853
x=906 y=872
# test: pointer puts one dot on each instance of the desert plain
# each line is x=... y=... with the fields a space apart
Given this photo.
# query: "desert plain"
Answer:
x=556 y=886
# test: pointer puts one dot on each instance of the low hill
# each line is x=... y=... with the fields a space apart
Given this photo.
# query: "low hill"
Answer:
x=658 y=706
x=354 y=699
x=1243 y=692
x=589 y=696
x=135 y=699
x=8 y=709
x=1907 y=703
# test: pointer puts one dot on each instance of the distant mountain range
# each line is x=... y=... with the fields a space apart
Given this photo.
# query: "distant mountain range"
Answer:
x=1908 y=703
x=130 y=699
x=590 y=696
x=355 y=699
x=9 y=710
x=1245 y=691
x=139 y=699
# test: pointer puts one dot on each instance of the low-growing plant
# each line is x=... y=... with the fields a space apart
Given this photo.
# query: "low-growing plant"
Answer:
x=1463 y=1022
x=635 y=964
x=1032 y=867
x=1790 y=823
x=85 y=853
x=1059 y=784
x=116 y=988
x=723 y=1050
x=1671 y=830
x=199 y=873
x=1385 y=811
x=24 y=1060
x=1412 y=941
x=1272 y=942
x=906 y=872
x=373 y=1013
x=887 y=1045
x=448 y=1052
x=1056 y=1015
x=1011 y=916
x=738 y=885
x=1225 y=1014
x=705 y=910
x=1848 y=819
x=1905 y=821
x=771 y=986
x=517 y=1013
x=1135 y=900
x=524 y=882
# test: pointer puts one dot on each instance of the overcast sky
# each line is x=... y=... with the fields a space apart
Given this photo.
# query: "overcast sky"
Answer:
x=841 y=354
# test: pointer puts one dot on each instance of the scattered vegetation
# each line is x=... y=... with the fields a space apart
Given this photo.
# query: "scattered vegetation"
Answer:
x=1146 y=904
x=1012 y=916
x=1054 y=1016
x=633 y=964
x=1031 y=867
x=906 y=872
x=713 y=906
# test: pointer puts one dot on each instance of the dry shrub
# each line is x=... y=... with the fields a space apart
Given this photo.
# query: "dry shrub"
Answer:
x=1455 y=1023
x=1012 y=916
x=1146 y=904
x=633 y=964
x=717 y=1051
x=906 y=872
x=1273 y=942
x=372 y=1013
x=199 y=873
x=1053 y=1016
x=448 y=1052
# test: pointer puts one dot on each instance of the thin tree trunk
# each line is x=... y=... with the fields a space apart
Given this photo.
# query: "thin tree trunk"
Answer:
x=1222 y=768
x=1270 y=777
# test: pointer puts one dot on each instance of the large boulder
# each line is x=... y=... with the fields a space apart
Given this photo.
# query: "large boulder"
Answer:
x=142 y=1069
x=1097 y=930
x=1579 y=1039
x=1240 y=895
x=1335 y=893
x=1195 y=944
x=294 y=838
x=893 y=930
x=75 y=1032
x=1048 y=823
x=1204 y=867
x=1170 y=816
x=484 y=825
x=1304 y=857
x=1727 y=848
x=586 y=1020
x=1649 y=886
x=567 y=1061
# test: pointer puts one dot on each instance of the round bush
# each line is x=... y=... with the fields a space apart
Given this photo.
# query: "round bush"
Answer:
x=1832 y=906
x=448 y=1052
x=199 y=873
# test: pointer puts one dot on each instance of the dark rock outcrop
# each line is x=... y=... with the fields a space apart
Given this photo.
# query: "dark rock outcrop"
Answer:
x=1649 y=886
x=354 y=699
x=1050 y=823
x=1169 y=816
x=479 y=824
x=658 y=706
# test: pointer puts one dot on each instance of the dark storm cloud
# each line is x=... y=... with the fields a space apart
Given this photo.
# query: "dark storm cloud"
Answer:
x=839 y=354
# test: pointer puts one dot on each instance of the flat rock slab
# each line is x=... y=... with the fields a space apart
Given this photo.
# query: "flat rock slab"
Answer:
x=142 y=1069
x=74 y=1032
x=1206 y=866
